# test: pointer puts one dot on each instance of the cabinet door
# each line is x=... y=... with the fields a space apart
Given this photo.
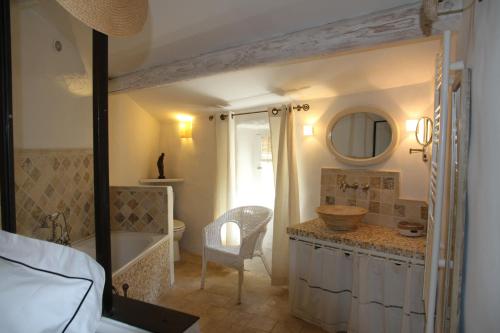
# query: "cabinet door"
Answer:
x=306 y=294
x=300 y=257
x=336 y=283
x=381 y=297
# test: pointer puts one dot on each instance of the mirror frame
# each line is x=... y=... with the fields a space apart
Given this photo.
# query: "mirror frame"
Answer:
x=363 y=161
x=427 y=120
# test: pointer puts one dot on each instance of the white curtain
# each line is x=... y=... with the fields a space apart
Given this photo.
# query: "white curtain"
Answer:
x=226 y=176
x=341 y=290
x=386 y=296
x=286 y=206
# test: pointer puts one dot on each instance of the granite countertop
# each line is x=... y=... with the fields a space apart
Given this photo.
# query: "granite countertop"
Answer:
x=366 y=236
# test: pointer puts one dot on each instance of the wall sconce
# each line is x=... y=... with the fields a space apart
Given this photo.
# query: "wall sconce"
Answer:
x=185 y=127
x=411 y=125
x=423 y=134
x=308 y=130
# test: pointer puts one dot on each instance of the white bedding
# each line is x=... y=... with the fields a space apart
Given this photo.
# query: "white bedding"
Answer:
x=47 y=287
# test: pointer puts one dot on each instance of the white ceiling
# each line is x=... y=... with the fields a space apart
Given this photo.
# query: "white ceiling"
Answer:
x=377 y=69
x=180 y=29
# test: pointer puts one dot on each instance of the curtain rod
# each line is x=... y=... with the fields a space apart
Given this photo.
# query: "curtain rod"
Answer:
x=298 y=107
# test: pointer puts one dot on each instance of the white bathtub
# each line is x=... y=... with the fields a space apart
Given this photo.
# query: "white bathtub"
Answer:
x=137 y=258
x=126 y=247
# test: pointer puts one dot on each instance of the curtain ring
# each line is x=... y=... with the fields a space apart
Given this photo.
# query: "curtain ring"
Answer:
x=275 y=111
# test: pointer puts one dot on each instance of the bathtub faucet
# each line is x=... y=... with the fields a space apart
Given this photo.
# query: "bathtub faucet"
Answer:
x=64 y=231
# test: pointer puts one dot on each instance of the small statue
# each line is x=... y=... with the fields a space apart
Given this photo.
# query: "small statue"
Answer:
x=161 y=167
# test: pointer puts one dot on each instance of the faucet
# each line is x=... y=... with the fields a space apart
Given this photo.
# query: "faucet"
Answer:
x=64 y=237
x=344 y=186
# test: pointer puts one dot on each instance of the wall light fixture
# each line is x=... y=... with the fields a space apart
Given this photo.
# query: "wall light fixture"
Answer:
x=185 y=127
x=308 y=130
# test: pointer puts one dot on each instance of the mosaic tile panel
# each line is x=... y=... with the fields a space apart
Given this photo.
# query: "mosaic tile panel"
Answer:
x=139 y=208
x=47 y=181
x=148 y=276
x=382 y=200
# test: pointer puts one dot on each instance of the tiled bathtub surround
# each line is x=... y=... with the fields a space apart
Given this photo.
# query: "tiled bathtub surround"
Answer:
x=382 y=199
x=47 y=181
x=146 y=277
x=139 y=208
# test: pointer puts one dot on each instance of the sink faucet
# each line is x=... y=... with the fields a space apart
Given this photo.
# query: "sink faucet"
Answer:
x=344 y=186
x=63 y=238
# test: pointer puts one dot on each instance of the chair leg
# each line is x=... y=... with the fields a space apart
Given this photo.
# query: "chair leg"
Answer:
x=240 y=283
x=264 y=261
x=203 y=270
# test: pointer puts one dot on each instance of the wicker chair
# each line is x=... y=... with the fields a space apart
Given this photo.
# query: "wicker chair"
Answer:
x=252 y=221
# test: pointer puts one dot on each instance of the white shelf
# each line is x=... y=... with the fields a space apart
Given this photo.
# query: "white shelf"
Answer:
x=155 y=181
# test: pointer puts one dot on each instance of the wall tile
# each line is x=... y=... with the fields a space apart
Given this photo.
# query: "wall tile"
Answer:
x=139 y=208
x=54 y=180
x=374 y=207
x=382 y=199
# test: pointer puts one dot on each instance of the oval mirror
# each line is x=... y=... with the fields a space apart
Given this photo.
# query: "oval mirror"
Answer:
x=362 y=136
x=423 y=133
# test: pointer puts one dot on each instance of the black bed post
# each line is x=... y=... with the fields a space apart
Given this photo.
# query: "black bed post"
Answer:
x=101 y=161
x=8 y=204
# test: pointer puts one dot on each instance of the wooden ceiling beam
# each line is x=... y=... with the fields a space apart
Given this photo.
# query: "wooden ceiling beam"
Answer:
x=387 y=26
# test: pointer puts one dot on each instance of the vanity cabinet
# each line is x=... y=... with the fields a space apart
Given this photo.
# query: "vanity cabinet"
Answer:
x=348 y=288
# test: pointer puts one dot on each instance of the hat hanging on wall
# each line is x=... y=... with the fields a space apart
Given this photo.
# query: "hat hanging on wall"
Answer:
x=430 y=9
x=117 y=18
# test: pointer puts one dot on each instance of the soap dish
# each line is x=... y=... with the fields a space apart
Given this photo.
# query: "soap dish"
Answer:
x=411 y=229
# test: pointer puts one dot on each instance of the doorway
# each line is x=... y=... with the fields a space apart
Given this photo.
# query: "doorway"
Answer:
x=254 y=173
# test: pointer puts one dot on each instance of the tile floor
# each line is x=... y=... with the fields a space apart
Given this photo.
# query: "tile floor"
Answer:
x=264 y=308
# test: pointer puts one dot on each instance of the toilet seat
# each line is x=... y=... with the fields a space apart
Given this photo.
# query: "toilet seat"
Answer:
x=179 y=225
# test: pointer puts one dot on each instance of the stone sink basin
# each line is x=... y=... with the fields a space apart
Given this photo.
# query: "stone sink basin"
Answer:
x=343 y=218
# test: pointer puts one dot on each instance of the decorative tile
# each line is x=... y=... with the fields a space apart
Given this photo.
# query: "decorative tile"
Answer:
x=388 y=183
x=375 y=182
x=374 y=207
x=387 y=196
x=386 y=209
x=424 y=211
x=340 y=179
x=382 y=199
x=374 y=195
x=43 y=187
x=399 y=210
x=139 y=208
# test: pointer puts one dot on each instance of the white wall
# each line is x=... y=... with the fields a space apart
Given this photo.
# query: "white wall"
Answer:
x=195 y=161
x=47 y=112
x=409 y=102
x=134 y=138
x=52 y=95
x=482 y=282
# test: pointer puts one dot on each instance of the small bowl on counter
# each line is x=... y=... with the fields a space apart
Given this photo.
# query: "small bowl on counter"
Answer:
x=341 y=218
x=411 y=229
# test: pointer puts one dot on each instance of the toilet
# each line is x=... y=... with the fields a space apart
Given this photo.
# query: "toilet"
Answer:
x=179 y=228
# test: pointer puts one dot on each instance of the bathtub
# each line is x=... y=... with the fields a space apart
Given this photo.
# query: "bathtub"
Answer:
x=138 y=259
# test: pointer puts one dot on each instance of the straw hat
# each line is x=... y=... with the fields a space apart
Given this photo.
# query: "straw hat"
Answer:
x=112 y=17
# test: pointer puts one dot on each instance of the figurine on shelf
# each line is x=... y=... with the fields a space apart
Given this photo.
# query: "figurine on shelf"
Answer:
x=161 y=167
